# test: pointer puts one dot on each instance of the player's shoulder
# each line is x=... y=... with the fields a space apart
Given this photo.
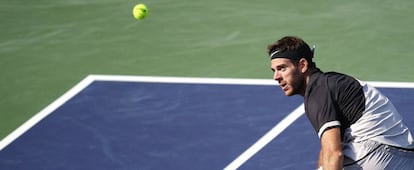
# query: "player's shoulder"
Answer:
x=333 y=75
x=339 y=78
x=334 y=80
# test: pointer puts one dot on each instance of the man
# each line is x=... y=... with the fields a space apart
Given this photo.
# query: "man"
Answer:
x=358 y=127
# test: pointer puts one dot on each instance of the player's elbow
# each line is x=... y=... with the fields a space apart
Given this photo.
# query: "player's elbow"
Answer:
x=334 y=159
x=336 y=151
x=338 y=154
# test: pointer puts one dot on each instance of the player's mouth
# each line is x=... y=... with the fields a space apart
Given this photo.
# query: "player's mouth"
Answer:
x=283 y=86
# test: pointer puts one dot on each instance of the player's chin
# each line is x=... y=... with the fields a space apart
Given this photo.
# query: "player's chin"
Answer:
x=289 y=92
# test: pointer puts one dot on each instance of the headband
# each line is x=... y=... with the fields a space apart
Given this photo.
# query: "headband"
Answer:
x=293 y=55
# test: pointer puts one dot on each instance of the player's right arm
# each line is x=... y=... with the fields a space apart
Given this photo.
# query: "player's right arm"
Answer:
x=320 y=163
x=331 y=156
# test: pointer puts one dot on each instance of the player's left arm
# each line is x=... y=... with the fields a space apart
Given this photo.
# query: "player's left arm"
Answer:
x=331 y=156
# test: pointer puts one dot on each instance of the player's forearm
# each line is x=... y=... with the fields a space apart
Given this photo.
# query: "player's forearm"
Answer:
x=331 y=150
x=331 y=160
x=320 y=160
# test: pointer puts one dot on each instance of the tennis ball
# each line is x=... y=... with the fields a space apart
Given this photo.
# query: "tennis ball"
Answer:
x=140 y=11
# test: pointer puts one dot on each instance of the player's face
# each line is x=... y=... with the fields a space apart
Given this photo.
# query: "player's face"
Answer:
x=289 y=76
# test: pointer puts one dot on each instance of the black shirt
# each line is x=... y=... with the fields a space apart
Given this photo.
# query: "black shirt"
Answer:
x=333 y=100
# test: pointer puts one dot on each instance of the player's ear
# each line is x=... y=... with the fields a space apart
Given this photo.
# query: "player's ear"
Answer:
x=303 y=65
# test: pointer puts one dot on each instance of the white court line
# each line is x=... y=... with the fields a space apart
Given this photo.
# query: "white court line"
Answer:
x=89 y=79
x=391 y=84
x=45 y=112
x=188 y=80
x=120 y=78
x=268 y=137
x=199 y=80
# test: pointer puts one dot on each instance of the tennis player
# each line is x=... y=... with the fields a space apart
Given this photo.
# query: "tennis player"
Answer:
x=358 y=127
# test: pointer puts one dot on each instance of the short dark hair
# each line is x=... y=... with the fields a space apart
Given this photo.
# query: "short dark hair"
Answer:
x=291 y=45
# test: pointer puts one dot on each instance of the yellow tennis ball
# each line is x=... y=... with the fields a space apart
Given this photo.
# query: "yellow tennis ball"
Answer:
x=140 y=11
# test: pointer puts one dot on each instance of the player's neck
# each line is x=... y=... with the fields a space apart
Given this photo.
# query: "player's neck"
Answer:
x=307 y=79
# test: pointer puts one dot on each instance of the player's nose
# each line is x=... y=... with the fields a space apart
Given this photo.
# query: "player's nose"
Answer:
x=277 y=76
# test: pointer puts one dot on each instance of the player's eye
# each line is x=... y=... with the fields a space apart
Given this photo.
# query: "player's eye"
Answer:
x=281 y=68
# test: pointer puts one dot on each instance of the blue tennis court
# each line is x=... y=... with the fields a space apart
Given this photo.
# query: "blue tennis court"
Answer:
x=131 y=122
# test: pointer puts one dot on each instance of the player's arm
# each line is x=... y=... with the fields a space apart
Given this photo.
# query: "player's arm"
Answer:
x=331 y=156
x=320 y=163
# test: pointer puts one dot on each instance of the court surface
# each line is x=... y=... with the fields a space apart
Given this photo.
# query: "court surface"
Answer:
x=132 y=122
